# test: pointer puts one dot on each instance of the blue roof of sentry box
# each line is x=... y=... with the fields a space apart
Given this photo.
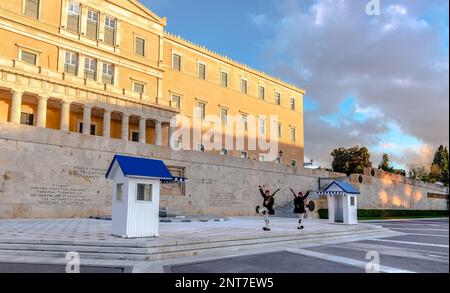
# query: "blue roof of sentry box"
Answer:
x=346 y=187
x=141 y=167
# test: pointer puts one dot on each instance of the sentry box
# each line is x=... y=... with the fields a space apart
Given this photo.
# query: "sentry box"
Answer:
x=136 y=190
x=342 y=203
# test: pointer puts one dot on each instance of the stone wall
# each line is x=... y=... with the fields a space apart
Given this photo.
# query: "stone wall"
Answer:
x=48 y=173
x=382 y=190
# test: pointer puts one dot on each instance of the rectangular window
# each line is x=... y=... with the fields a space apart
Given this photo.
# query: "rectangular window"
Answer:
x=244 y=122
x=108 y=73
x=119 y=192
x=224 y=79
x=261 y=126
x=262 y=93
x=352 y=201
x=71 y=63
x=28 y=57
x=138 y=87
x=201 y=110
x=176 y=101
x=202 y=71
x=135 y=136
x=144 y=192
x=292 y=104
x=176 y=62
x=110 y=31
x=277 y=98
x=244 y=86
x=32 y=8
x=26 y=119
x=293 y=135
x=73 y=17
x=224 y=116
x=139 y=46
x=92 y=25
x=279 y=129
x=90 y=68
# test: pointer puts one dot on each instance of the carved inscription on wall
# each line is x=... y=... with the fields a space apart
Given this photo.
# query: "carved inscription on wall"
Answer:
x=60 y=194
x=87 y=173
x=223 y=200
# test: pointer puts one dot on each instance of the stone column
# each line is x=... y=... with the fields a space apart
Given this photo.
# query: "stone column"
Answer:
x=42 y=111
x=125 y=125
x=65 y=116
x=142 y=130
x=16 y=107
x=87 y=111
x=107 y=123
x=158 y=133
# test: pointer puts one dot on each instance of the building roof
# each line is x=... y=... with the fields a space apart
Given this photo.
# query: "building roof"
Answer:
x=140 y=167
x=346 y=188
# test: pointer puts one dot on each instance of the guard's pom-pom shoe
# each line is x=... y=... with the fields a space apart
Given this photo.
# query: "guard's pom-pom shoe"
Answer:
x=257 y=209
x=266 y=229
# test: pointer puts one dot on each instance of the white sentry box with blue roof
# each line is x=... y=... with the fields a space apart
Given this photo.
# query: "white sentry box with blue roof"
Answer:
x=342 y=203
x=136 y=190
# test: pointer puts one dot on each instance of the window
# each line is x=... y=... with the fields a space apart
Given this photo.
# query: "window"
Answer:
x=26 y=119
x=93 y=130
x=28 y=57
x=201 y=110
x=144 y=192
x=292 y=104
x=176 y=62
x=32 y=8
x=293 y=135
x=138 y=87
x=224 y=152
x=224 y=79
x=139 y=45
x=244 y=122
x=279 y=129
x=294 y=163
x=244 y=86
x=92 y=25
x=73 y=17
x=262 y=93
x=119 y=192
x=135 y=136
x=108 y=73
x=110 y=30
x=278 y=98
x=176 y=101
x=71 y=63
x=262 y=158
x=244 y=155
x=202 y=71
x=90 y=68
x=261 y=126
x=224 y=116
x=352 y=201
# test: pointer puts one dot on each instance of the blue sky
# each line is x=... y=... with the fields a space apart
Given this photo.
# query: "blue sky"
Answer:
x=376 y=81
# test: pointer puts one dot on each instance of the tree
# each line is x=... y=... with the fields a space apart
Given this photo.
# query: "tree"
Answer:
x=385 y=163
x=439 y=167
x=352 y=160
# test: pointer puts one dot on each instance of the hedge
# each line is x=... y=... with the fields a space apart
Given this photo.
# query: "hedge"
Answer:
x=386 y=214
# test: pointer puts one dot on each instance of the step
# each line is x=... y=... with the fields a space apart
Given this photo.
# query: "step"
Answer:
x=170 y=250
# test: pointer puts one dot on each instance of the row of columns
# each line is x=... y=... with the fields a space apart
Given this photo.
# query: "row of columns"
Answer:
x=16 y=106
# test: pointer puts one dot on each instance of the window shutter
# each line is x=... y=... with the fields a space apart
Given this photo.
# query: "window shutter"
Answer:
x=91 y=29
x=138 y=88
x=73 y=23
x=109 y=36
x=32 y=8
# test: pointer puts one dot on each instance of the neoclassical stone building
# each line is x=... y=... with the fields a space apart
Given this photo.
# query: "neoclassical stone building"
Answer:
x=108 y=68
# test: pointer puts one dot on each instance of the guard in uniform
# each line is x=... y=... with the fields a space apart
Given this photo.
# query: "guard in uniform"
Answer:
x=299 y=209
x=267 y=209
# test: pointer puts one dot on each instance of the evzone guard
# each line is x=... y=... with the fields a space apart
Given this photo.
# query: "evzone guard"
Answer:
x=266 y=209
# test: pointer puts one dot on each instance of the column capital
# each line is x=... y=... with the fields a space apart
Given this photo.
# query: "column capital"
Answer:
x=16 y=92
x=43 y=97
x=88 y=106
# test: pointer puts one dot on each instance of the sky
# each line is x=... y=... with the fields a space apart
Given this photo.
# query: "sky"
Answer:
x=380 y=81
